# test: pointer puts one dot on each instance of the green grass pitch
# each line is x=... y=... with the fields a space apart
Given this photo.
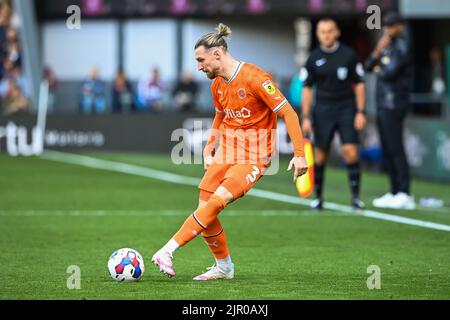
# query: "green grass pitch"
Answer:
x=54 y=215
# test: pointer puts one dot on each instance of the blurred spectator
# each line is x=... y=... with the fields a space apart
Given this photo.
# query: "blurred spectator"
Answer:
x=13 y=52
x=5 y=13
x=150 y=92
x=92 y=98
x=5 y=18
x=20 y=79
x=295 y=91
x=49 y=75
x=3 y=51
x=15 y=75
x=437 y=72
x=15 y=102
x=185 y=93
x=13 y=85
x=122 y=94
x=7 y=76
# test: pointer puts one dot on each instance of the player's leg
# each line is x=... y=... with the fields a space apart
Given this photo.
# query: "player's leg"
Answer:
x=400 y=160
x=204 y=216
x=324 y=127
x=320 y=160
x=384 y=124
x=350 y=150
x=199 y=220
x=239 y=179
x=351 y=157
x=391 y=134
x=216 y=240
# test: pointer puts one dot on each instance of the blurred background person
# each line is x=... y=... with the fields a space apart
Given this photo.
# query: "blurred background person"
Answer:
x=15 y=102
x=185 y=92
x=92 y=94
x=437 y=83
x=122 y=94
x=53 y=83
x=150 y=92
x=5 y=13
x=295 y=91
x=13 y=48
x=391 y=61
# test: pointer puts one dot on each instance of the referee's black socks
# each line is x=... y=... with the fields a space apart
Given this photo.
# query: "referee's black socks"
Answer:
x=354 y=177
x=319 y=172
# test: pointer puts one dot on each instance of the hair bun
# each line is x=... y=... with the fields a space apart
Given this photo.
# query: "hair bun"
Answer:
x=223 y=30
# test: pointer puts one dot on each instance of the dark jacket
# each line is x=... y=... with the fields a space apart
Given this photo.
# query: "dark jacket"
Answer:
x=394 y=70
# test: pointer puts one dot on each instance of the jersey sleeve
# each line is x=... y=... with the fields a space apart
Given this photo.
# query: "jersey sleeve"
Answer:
x=265 y=88
x=307 y=73
x=356 y=69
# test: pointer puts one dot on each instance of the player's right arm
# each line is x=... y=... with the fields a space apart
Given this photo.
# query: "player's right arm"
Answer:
x=308 y=78
x=213 y=139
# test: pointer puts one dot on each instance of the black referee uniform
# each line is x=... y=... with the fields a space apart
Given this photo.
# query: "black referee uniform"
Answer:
x=333 y=74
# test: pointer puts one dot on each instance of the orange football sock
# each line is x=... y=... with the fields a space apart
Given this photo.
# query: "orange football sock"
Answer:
x=216 y=240
x=199 y=220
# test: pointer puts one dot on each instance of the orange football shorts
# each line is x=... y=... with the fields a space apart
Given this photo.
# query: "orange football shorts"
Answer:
x=236 y=178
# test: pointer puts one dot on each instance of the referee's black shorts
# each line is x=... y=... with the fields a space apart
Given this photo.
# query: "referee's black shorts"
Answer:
x=331 y=116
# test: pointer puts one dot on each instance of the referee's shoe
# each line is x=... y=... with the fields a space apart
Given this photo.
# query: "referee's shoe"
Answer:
x=357 y=204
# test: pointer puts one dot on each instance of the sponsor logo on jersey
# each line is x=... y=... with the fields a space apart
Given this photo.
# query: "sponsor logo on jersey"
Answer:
x=269 y=87
x=244 y=113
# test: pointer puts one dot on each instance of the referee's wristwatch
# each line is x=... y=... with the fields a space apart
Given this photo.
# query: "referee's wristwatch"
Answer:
x=362 y=111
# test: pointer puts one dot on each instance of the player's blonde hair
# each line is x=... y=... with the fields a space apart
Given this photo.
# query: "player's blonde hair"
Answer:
x=215 y=39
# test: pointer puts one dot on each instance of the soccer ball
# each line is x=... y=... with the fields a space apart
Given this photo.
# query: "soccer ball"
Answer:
x=126 y=265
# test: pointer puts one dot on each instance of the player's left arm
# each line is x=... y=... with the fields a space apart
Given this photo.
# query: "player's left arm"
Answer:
x=276 y=101
x=357 y=77
x=299 y=162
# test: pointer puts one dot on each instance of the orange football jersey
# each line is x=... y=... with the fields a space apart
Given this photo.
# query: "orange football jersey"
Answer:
x=249 y=100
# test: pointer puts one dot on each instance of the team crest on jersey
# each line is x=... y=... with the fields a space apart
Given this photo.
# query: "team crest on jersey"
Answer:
x=342 y=73
x=269 y=87
x=321 y=62
x=242 y=94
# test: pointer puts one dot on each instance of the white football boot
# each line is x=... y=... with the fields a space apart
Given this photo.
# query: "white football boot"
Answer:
x=384 y=201
x=403 y=201
x=216 y=273
x=164 y=261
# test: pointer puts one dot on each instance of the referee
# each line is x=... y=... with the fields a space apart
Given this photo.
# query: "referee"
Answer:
x=334 y=71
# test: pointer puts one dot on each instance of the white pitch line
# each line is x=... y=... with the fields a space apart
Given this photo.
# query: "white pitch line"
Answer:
x=264 y=194
x=153 y=213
